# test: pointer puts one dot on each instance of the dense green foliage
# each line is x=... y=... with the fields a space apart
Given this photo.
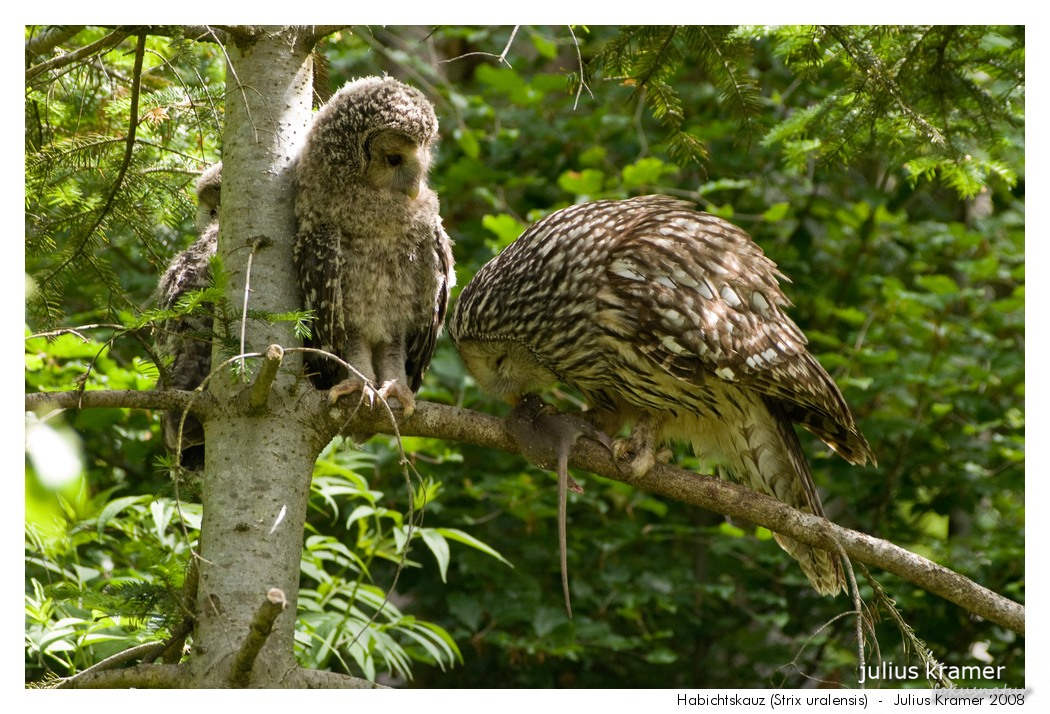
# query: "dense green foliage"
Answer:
x=881 y=168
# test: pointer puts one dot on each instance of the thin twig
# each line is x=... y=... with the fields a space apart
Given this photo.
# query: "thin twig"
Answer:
x=583 y=82
x=231 y=69
x=111 y=40
x=794 y=663
x=911 y=640
x=501 y=57
x=858 y=604
x=257 y=242
x=76 y=331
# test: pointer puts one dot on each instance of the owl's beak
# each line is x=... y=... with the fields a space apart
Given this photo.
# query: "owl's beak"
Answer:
x=412 y=190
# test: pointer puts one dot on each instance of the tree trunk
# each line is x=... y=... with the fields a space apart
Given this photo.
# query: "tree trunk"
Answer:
x=259 y=457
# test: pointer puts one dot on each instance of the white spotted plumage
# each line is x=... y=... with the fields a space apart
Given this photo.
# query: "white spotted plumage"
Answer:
x=671 y=321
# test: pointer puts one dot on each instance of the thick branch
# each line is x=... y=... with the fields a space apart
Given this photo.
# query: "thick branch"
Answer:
x=173 y=399
x=260 y=391
x=300 y=678
x=150 y=649
x=49 y=39
x=319 y=32
x=141 y=676
x=714 y=494
x=197 y=33
x=455 y=424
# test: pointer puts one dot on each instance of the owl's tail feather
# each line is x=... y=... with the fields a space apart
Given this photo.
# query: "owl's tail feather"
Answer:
x=767 y=456
x=822 y=568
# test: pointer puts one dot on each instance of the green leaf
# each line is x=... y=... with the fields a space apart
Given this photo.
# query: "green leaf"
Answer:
x=441 y=634
x=504 y=226
x=467 y=539
x=645 y=172
x=546 y=619
x=938 y=284
x=161 y=512
x=594 y=156
x=586 y=183
x=115 y=506
x=468 y=142
x=776 y=212
x=661 y=655
x=545 y=47
x=939 y=409
x=439 y=547
x=851 y=315
x=726 y=528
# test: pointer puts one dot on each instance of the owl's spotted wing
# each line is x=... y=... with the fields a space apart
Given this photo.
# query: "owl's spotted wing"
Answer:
x=187 y=340
x=707 y=304
x=316 y=255
x=672 y=322
x=420 y=343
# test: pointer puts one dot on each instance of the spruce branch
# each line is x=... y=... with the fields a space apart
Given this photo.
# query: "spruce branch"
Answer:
x=108 y=42
x=129 y=148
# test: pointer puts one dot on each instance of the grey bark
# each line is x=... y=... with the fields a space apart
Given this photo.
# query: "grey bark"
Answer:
x=259 y=458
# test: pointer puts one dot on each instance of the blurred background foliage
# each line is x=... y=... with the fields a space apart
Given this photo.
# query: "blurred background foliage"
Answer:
x=882 y=168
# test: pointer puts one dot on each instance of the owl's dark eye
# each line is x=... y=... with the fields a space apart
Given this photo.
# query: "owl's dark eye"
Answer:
x=394 y=159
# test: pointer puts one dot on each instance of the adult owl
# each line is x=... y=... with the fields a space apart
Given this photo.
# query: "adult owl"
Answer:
x=187 y=340
x=670 y=321
x=373 y=260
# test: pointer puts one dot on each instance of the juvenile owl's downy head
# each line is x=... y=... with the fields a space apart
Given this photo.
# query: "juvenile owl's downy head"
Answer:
x=209 y=191
x=375 y=132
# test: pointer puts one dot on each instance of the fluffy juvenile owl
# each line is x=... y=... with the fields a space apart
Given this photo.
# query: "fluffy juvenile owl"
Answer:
x=188 y=339
x=670 y=321
x=373 y=260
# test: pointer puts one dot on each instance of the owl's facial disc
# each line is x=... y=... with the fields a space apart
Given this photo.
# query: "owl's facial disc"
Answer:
x=505 y=369
x=397 y=163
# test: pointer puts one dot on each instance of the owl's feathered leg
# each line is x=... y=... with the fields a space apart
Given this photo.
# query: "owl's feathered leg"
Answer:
x=359 y=356
x=393 y=382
